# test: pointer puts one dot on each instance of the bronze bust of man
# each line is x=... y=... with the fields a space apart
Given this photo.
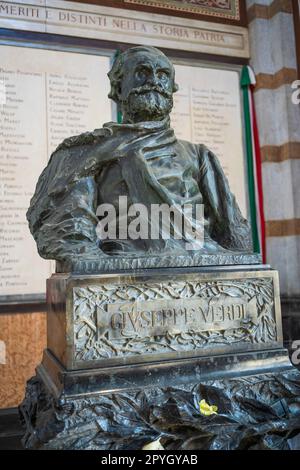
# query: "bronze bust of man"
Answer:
x=141 y=161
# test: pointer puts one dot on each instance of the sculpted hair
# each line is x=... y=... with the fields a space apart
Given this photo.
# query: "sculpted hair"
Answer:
x=115 y=74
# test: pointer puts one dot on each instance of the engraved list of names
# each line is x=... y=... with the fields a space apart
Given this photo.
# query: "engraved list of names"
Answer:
x=207 y=110
x=46 y=96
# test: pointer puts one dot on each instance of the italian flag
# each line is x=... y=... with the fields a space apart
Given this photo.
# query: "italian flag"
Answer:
x=253 y=163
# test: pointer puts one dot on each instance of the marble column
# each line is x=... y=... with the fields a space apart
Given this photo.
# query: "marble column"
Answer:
x=273 y=58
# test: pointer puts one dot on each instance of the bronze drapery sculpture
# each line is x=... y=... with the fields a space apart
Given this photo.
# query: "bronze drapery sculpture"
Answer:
x=140 y=159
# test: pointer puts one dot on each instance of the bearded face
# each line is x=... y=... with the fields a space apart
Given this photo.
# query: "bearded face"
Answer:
x=149 y=103
x=147 y=88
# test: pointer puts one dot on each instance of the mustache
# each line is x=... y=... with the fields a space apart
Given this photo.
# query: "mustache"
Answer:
x=150 y=88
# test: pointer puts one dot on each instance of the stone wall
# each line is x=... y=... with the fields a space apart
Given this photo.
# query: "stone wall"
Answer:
x=273 y=58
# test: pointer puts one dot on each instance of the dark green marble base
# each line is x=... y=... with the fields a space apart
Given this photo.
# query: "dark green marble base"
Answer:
x=92 y=391
x=256 y=411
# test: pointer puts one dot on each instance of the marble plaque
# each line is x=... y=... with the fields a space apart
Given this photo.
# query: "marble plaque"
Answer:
x=123 y=25
x=207 y=110
x=173 y=316
x=48 y=96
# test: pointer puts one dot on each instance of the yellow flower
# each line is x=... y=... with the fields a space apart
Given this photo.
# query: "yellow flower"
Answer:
x=207 y=409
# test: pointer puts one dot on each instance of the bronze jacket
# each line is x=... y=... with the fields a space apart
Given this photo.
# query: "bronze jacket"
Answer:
x=149 y=165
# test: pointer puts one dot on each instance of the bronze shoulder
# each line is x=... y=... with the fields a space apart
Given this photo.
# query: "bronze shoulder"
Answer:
x=86 y=138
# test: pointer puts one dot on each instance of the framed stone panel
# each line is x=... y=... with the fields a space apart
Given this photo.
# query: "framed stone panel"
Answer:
x=225 y=9
x=208 y=110
x=122 y=25
x=48 y=95
x=101 y=320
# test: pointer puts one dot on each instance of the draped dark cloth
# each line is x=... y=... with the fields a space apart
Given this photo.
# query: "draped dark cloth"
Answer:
x=149 y=165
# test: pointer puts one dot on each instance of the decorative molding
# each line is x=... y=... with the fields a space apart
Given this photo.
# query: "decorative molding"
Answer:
x=160 y=317
x=283 y=228
x=285 y=76
x=266 y=12
x=280 y=153
x=118 y=263
x=227 y=9
x=98 y=333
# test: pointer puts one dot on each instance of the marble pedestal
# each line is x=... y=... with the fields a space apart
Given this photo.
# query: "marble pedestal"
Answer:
x=130 y=355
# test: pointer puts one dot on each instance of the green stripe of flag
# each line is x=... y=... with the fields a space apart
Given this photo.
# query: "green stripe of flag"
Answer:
x=245 y=84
